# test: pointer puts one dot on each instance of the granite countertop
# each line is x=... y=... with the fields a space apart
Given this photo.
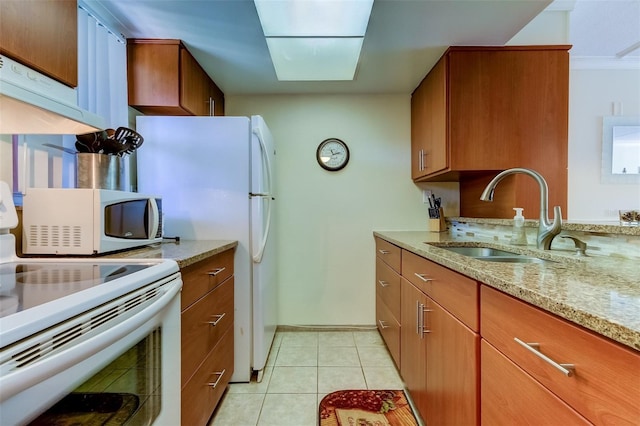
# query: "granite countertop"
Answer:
x=598 y=293
x=185 y=252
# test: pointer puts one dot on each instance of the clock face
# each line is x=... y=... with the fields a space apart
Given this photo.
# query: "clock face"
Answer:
x=332 y=154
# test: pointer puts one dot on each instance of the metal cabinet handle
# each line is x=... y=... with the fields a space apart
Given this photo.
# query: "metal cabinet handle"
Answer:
x=382 y=324
x=566 y=369
x=383 y=283
x=218 y=319
x=423 y=328
x=219 y=374
x=423 y=277
x=381 y=251
x=418 y=325
x=216 y=271
x=420 y=160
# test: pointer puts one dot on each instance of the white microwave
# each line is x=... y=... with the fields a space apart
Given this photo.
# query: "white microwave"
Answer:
x=79 y=221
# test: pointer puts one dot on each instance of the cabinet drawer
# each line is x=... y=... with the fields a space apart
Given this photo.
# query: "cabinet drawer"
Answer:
x=389 y=253
x=203 y=324
x=199 y=395
x=456 y=293
x=604 y=386
x=511 y=397
x=389 y=328
x=205 y=275
x=388 y=287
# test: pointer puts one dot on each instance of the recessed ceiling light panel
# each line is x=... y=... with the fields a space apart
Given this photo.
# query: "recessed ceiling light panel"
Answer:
x=314 y=18
x=315 y=59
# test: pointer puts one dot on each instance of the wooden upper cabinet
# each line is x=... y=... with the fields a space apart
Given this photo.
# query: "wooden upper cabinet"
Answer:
x=42 y=35
x=165 y=79
x=429 y=124
x=481 y=110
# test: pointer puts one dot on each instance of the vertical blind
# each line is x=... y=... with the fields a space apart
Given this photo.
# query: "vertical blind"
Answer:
x=102 y=71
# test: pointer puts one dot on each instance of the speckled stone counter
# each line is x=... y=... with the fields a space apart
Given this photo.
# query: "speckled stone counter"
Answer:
x=600 y=293
x=185 y=252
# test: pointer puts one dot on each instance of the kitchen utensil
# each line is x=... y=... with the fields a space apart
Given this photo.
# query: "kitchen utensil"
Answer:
x=130 y=137
x=61 y=148
x=81 y=147
x=115 y=147
x=93 y=139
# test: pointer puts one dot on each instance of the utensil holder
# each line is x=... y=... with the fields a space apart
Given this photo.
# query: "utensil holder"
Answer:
x=438 y=224
x=100 y=171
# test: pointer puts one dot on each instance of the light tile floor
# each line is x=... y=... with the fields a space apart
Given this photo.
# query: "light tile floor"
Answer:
x=304 y=366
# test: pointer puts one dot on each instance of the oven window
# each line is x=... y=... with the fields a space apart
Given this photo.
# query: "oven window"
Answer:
x=126 y=392
x=128 y=219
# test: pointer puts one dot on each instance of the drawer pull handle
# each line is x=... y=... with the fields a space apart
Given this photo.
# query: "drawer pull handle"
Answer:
x=566 y=369
x=424 y=326
x=218 y=319
x=383 y=251
x=382 y=326
x=220 y=374
x=216 y=271
x=423 y=277
x=383 y=283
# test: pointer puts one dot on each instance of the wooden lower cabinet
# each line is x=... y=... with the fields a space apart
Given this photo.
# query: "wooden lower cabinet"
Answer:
x=453 y=354
x=413 y=348
x=388 y=296
x=604 y=380
x=206 y=335
x=203 y=392
x=512 y=397
x=471 y=354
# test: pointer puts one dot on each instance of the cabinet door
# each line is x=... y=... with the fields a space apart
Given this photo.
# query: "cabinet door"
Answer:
x=203 y=392
x=429 y=144
x=42 y=35
x=436 y=138
x=452 y=354
x=153 y=70
x=194 y=85
x=511 y=397
x=413 y=355
x=217 y=97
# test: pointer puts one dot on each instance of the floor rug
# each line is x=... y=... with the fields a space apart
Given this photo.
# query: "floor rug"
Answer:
x=366 y=408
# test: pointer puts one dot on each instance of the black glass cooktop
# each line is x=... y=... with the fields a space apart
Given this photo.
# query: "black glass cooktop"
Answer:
x=25 y=285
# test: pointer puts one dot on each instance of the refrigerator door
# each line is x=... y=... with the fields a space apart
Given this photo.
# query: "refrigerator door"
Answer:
x=201 y=168
x=263 y=242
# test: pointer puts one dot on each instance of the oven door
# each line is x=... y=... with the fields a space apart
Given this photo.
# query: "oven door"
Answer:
x=115 y=363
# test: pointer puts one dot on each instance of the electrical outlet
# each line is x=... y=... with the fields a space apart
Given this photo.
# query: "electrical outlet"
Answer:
x=426 y=194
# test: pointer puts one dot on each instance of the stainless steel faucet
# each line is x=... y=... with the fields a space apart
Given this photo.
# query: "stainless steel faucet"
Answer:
x=546 y=229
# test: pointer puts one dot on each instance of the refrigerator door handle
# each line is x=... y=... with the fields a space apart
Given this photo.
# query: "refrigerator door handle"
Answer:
x=257 y=257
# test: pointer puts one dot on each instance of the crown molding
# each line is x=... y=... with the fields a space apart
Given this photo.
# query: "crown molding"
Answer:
x=604 y=63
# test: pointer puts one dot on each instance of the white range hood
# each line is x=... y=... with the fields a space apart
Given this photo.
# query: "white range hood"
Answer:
x=32 y=103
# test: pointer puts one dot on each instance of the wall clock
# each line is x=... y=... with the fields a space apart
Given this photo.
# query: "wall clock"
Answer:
x=332 y=154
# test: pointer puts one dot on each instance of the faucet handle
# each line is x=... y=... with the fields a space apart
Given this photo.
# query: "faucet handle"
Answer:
x=581 y=246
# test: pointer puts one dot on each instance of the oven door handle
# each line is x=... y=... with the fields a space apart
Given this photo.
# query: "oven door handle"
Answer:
x=23 y=378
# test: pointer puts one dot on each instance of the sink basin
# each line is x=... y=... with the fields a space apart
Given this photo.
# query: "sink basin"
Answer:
x=494 y=255
x=479 y=251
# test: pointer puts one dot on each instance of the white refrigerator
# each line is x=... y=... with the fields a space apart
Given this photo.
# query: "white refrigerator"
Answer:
x=215 y=177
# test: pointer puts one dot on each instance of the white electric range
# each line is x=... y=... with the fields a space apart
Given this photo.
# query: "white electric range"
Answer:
x=65 y=322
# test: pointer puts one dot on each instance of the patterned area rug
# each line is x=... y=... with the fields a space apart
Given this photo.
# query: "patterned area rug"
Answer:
x=366 y=408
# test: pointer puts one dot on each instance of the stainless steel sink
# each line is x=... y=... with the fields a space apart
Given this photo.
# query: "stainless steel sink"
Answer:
x=494 y=255
x=479 y=251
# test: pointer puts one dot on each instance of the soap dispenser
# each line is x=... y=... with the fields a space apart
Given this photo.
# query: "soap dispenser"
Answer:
x=518 y=235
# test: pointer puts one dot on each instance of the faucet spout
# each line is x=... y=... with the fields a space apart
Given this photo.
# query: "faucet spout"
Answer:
x=547 y=229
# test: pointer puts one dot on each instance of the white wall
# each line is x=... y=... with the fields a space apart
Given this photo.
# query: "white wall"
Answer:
x=325 y=220
x=592 y=93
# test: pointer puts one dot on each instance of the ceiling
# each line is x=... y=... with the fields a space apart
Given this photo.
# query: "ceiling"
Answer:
x=404 y=38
